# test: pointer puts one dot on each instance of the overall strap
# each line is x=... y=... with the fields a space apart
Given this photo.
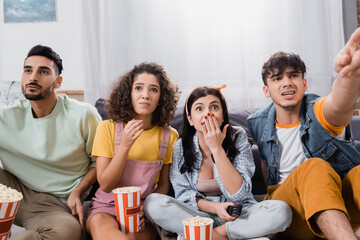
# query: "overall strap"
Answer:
x=164 y=142
x=119 y=127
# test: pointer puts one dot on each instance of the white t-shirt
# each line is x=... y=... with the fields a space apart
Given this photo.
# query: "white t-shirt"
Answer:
x=291 y=152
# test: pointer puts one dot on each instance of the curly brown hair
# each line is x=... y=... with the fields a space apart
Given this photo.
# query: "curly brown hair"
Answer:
x=119 y=107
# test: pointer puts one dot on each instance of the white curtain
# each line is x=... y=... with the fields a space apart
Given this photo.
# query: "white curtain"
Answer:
x=211 y=42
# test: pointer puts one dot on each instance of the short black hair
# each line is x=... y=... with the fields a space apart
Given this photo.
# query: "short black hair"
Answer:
x=280 y=61
x=47 y=52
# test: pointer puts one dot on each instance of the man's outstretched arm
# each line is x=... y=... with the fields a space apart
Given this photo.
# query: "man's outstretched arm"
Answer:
x=338 y=105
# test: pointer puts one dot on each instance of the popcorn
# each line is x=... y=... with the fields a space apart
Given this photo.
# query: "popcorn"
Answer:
x=128 y=208
x=9 y=204
x=8 y=194
x=126 y=189
x=198 y=228
x=197 y=221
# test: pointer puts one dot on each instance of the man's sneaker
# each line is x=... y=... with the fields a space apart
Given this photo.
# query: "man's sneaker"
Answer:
x=179 y=237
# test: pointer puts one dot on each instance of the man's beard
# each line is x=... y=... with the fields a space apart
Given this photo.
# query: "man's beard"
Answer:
x=36 y=97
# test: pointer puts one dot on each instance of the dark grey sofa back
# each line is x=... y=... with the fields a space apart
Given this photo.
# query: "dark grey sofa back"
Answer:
x=237 y=117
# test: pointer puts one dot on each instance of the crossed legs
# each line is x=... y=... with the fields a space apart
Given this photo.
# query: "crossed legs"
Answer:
x=266 y=217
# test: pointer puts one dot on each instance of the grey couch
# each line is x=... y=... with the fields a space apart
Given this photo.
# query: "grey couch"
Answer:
x=238 y=117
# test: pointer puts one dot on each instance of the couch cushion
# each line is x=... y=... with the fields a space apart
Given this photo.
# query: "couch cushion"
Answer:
x=100 y=106
x=355 y=127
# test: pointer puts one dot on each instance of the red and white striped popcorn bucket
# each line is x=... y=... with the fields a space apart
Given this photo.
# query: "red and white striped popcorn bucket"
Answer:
x=7 y=215
x=198 y=228
x=127 y=204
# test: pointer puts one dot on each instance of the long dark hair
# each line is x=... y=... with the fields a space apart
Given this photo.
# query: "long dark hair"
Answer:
x=189 y=131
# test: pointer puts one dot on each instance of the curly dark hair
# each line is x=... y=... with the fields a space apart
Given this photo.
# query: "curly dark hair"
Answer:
x=280 y=61
x=119 y=107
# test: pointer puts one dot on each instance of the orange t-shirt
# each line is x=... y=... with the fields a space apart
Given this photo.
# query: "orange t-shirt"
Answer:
x=334 y=130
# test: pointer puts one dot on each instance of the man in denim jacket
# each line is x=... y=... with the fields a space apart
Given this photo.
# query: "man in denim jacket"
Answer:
x=306 y=145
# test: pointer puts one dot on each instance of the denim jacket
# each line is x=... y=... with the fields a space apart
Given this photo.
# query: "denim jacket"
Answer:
x=316 y=141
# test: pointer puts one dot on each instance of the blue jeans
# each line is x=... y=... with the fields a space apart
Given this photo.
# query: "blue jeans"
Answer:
x=260 y=219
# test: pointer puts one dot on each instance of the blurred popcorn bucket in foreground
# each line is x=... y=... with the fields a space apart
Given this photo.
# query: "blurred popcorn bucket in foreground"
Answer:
x=9 y=204
x=127 y=204
x=198 y=228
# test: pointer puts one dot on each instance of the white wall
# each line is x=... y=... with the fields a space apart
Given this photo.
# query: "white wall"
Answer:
x=64 y=36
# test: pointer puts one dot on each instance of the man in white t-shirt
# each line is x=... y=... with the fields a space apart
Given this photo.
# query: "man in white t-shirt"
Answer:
x=305 y=142
x=45 y=148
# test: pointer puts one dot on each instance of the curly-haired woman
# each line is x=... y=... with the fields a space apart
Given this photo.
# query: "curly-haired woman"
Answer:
x=136 y=137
